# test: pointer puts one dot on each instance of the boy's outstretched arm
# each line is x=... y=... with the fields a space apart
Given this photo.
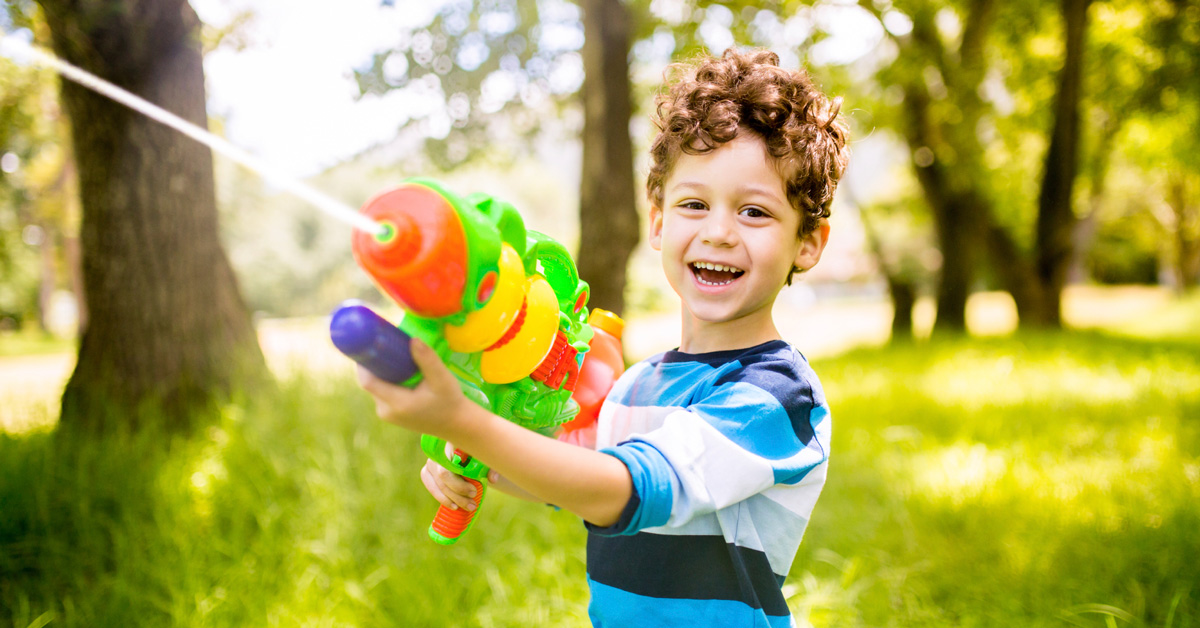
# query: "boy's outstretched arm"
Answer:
x=590 y=484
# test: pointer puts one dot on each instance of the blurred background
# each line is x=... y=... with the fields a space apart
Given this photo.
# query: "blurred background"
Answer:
x=1006 y=319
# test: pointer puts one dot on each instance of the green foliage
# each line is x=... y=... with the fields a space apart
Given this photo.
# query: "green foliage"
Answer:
x=36 y=209
x=497 y=73
x=1125 y=251
x=490 y=72
x=24 y=137
x=1038 y=480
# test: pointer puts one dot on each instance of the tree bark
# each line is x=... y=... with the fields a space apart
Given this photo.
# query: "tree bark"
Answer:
x=167 y=329
x=1187 y=231
x=950 y=168
x=608 y=219
x=955 y=218
x=1056 y=217
x=901 y=288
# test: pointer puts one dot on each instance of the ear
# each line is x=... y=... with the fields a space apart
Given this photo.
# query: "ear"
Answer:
x=812 y=245
x=656 y=224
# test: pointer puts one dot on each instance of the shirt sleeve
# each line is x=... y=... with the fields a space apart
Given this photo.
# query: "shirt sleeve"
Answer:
x=755 y=428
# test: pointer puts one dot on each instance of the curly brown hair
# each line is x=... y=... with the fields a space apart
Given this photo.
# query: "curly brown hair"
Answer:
x=709 y=100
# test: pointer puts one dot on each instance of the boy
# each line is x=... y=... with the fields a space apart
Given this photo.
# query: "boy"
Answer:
x=710 y=457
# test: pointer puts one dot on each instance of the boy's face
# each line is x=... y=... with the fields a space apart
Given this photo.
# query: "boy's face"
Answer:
x=728 y=234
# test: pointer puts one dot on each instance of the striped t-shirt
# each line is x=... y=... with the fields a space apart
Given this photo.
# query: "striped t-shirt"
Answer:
x=728 y=453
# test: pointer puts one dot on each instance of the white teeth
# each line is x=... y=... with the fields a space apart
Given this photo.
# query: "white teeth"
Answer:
x=712 y=266
x=719 y=267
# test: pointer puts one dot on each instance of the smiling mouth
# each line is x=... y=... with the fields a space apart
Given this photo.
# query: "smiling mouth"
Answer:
x=711 y=274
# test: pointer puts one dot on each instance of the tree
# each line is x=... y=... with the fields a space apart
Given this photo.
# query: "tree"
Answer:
x=1041 y=302
x=1169 y=100
x=952 y=74
x=166 y=322
x=608 y=220
x=499 y=67
x=38 y=211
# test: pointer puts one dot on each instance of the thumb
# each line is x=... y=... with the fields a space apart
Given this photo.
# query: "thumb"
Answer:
x=430 y=363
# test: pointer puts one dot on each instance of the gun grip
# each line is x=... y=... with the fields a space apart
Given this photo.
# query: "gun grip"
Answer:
x=450 y=524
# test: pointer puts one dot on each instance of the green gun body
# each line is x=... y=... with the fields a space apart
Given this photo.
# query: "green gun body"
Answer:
x=501 y=305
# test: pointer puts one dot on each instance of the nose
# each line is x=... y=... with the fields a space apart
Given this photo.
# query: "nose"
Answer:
x=718 y=229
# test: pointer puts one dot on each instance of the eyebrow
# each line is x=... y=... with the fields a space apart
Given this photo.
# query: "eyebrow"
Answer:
x=747 y=188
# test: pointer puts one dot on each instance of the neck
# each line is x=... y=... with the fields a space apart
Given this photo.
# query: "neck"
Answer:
x=703 y=336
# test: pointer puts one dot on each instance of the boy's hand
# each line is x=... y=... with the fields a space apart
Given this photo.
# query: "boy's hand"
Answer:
x=450 y=489
x=434 y=406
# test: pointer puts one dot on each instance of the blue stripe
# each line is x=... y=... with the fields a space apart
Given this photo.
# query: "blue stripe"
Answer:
x=779 y=376
x=666 y=386
x=794 y=470
x=751 y=418
x=651 y=475
x=692 y=567
x=614 y=608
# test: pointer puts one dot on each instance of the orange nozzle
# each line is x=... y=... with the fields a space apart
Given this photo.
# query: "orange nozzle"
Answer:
x=421 y=260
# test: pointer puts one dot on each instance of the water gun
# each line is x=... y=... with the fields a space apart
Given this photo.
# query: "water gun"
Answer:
x=502 y=306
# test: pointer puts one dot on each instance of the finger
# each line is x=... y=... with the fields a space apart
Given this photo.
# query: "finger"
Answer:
x=458 y=489
x=431 y=365
x=384 y=393
x=435 y=490
x=456 y=484
x=453 y=486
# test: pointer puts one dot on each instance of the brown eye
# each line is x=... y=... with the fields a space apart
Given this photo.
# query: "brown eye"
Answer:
x=754 y=212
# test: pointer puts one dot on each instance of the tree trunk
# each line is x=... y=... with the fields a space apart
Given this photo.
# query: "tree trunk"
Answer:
x=901 y=288
x=904 y=298
x=955 y=217
x=1187 y=231
x=1084 y=233
x=167 y=329
x=1056 y=217
x=608 y=220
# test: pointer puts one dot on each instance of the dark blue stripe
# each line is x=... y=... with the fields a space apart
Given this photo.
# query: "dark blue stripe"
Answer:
x=781 y=380
x=685 y=567
x=717 y=358
x=622 y=524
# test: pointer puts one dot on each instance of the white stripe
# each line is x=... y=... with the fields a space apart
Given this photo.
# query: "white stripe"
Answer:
x=703 y=458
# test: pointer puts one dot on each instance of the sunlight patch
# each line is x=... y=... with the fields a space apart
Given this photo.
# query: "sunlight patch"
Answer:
x=209 y=471
x=959 y=471
x=972 y=383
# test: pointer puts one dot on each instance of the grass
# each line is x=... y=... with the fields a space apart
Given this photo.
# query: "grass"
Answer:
x=1034 y=480
x=32 y=342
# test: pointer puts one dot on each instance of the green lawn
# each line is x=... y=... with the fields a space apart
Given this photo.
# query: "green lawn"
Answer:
x=1037 y=480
